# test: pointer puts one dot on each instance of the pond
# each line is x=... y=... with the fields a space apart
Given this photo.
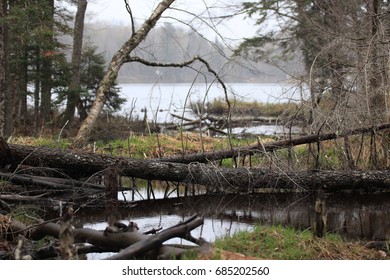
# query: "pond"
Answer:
x=163 y=100
x=363 y=216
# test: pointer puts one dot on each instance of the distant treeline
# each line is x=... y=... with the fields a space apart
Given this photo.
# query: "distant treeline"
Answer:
x=170 y=43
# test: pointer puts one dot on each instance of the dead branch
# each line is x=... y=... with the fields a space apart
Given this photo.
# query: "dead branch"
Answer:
x=216 y=123
x=25 y=198
x=182 y=230
x=112 y=239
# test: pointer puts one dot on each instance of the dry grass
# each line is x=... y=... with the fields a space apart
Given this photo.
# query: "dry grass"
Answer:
x=277 y=242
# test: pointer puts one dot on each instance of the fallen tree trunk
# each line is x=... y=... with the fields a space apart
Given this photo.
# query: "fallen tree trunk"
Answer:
x=50 y=182
x=80 y=164
x=268 y=147
x=216 y=124
x=181 y=230
x=112 y=239
x=16 y=153
x=216 y=179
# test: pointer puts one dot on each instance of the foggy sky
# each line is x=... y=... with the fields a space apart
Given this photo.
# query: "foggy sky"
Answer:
x=235 y=29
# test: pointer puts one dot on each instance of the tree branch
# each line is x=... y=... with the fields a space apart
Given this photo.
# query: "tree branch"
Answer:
x=115 y=65
x=187 y=64
x=128 y=8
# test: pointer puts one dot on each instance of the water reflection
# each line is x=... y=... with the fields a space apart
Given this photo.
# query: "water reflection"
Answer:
x=211 y=229
x=265 y=130
x=352 y=215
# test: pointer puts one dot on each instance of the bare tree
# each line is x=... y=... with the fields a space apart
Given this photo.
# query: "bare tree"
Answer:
x=117 y=61
x=344 y=45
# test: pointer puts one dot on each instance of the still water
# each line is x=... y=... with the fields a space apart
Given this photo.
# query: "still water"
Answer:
x=162 y=100
x=364 y=216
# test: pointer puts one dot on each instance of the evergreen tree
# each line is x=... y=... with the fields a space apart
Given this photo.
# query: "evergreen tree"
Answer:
x=92 y=71
x=34 y=57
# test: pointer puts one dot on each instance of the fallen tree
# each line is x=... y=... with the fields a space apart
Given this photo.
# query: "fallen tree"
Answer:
x=60 y=184
x=191 y=169
x=259 y=147
x=218 y=124
x=182 y=230
x=120 y=237
x=215 y=178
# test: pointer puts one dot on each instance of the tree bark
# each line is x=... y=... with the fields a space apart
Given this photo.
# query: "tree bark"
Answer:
x=117 y=61
x=216 y=179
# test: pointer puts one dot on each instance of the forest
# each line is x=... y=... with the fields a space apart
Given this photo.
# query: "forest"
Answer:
x=59 y=79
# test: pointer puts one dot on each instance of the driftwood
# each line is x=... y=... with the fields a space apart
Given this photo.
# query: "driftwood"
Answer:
x=217 y=124
x=112 y=239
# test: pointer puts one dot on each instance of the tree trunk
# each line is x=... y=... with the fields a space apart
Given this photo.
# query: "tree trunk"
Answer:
x=139 y=248
x=117 y=61
x=47 y=63
x=114 y=238
x=37 y=88
x=74 y=86
x=46 y=86
x=4 y=132
x=216 y=179
x=19 y=91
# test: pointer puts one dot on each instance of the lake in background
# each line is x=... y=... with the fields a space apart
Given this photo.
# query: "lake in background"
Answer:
x=162 y=100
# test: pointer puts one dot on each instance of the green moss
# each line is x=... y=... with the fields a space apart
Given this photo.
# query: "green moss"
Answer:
x=27 y=214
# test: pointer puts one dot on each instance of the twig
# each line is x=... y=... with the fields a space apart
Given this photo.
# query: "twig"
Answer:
x=62 y=129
